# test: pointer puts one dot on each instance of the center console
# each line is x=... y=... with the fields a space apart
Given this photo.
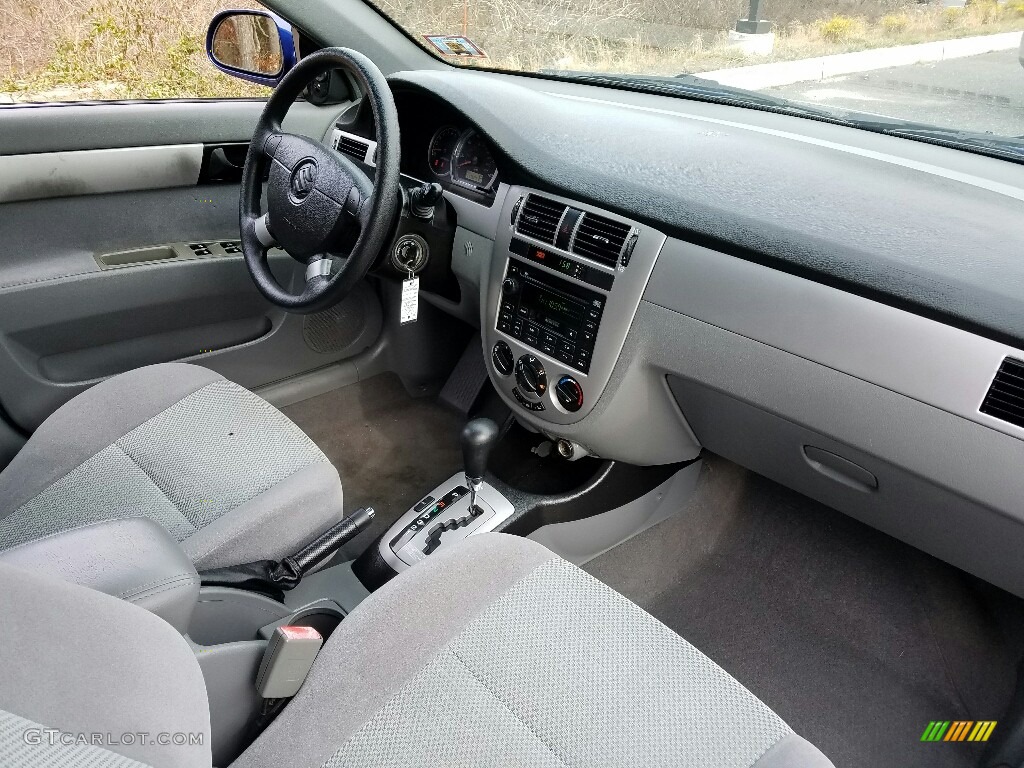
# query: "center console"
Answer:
x=441 y=518
x=565 y=282
x=462 y=505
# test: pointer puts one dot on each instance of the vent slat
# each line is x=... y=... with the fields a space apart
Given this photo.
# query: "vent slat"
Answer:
x=540 y=215
x=1010 y=378
x=1013 y=384
x=1002 y=414
x=602 y=227
x=600 y=238
x=541 y=204
x=1011 y=403
x=539 y=218
x=1005 y=397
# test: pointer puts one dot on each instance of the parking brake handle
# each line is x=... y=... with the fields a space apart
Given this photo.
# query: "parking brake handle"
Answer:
x=273 y=578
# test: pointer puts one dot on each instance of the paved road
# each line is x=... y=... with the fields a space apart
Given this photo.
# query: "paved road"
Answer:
x=977 y=93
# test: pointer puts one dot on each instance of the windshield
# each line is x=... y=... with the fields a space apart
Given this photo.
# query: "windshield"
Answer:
x=952 y=64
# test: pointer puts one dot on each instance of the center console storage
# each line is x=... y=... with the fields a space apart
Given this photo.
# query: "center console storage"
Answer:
x=230 y=630
x=134 y=559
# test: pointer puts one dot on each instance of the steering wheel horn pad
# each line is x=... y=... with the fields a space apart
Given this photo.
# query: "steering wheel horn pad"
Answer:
x=318 y=200
x=313 y=196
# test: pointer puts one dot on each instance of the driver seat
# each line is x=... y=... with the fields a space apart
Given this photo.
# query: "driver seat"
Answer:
x=226 y=473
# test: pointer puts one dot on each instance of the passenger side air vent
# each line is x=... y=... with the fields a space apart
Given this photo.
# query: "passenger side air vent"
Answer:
x=1005 y=398
x=600 y=239
x=539 y=218
x=353 y=147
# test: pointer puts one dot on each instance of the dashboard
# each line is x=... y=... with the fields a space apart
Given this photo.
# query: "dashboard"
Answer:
x=828 y=307
x=831 y=308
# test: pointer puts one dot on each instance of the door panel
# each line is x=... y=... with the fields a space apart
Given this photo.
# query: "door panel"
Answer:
x=102 y=281
x=32 y=128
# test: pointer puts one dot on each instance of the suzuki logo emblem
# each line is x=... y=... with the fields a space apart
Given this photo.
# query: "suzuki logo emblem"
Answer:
x=303 y=178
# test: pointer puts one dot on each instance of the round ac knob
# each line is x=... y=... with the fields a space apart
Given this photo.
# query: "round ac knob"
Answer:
x=503 y=358
x=530 y=375
x=569 y=394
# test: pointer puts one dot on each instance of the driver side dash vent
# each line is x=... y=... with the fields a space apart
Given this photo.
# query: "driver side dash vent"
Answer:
x=539 y=218
x=352 y=146
x=1005 y=398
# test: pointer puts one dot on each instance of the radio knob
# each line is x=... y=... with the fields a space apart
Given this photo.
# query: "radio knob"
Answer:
x=510 y=286
x=569 y=393
x=530 y=375
x=502 y=358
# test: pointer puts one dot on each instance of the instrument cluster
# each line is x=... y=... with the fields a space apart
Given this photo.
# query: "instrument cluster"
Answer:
x=464 y=158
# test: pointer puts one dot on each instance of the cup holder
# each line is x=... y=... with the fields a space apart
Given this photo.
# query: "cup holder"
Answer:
x=226 y=615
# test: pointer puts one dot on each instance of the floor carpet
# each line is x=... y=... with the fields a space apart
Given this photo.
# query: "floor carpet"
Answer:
x=390 y=449
x=856 y=639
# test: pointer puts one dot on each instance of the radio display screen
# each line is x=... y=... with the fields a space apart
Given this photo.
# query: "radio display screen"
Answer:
x=551 y=309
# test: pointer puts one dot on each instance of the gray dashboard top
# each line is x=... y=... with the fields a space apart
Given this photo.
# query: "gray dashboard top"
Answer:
x=933 y=230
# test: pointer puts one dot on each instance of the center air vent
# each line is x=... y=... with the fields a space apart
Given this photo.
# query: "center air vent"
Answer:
x=1005 y=398
x=352 y=146
x=600 y=239
x=539 y=218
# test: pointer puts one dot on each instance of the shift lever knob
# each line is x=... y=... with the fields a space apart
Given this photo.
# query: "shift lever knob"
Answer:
x=478 y=438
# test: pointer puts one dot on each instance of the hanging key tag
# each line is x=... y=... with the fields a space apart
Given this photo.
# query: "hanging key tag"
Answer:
x=410 y=299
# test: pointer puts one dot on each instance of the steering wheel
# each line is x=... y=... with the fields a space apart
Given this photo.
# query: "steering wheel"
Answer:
x=319 y=201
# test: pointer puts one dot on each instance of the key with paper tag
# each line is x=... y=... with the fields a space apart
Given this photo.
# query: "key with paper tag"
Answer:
x=410 y=300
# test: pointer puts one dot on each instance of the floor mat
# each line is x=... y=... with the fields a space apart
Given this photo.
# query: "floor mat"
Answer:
x=390 y=449
x=854 y=638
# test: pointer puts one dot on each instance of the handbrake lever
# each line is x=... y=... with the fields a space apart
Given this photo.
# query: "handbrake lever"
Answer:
x=273 y=578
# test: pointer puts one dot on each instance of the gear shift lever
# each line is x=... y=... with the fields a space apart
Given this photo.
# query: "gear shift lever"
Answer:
x=478 y=438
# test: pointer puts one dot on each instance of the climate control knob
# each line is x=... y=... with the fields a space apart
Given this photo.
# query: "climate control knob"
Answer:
x=569 y=393
x=530 y=375
x=510 y=286
x=503 y=358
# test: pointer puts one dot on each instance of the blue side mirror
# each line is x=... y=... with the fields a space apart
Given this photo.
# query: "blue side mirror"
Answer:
x=253 y=45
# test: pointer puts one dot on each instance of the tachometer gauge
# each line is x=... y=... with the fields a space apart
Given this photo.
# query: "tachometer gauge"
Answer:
x=473 y=164
x=442 y=146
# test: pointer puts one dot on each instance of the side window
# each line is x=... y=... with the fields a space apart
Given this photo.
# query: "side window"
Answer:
x=87 y=50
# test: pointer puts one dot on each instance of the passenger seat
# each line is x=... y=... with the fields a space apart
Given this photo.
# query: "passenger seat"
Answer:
x=493 y=652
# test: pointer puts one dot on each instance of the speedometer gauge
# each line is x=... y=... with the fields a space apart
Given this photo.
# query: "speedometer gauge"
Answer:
x=442 y=146
x=473 y=164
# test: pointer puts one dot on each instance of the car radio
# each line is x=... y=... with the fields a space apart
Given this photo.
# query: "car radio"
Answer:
x=549 y=314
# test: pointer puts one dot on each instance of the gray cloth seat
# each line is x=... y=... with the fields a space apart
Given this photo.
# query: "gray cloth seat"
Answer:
x=226 y=473
x=492 y=652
